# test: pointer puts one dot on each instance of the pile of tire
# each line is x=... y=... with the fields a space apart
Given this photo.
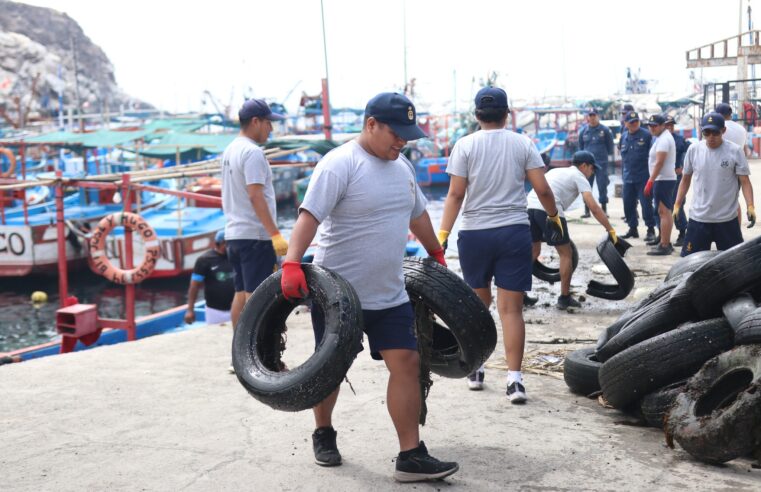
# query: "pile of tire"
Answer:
x=687 y=358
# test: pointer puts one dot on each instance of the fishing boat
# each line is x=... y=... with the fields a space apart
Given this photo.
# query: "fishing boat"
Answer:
x=432 y=171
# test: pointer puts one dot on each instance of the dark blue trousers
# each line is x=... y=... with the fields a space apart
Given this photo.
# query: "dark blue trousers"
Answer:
x=601 y=175
x=681 y=220
x=634 y=191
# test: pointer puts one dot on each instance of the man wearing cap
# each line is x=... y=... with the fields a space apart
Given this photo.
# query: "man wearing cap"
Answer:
x=734 y=131
x=214 y=273
x=364 y=198
x=487 y=172
x=597 y=139
x=248 y=201
x=719 y=169
x=566 y=183
x=681 y=144
x=662 y=182
x=635 y=147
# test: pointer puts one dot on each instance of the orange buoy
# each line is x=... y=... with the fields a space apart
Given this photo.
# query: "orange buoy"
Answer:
x=100 y=262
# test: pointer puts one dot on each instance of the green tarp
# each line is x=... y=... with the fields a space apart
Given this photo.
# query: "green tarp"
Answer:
x=197 y=145
x=100 y=138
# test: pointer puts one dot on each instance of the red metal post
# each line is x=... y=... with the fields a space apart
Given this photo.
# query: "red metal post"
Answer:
x=327 y=127
x=63 y=277
x=129 y=301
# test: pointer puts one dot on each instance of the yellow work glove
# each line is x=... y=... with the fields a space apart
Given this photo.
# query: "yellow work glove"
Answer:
x=612 y=235
x=279 y=244
x=675 y=212
x=751 y=216
x=443 y=236
x=555 y=226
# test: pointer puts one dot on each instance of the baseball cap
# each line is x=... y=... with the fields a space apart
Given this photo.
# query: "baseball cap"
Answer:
x=655 y=120
x=670 y=120
x=591 y=111
x=712 y=121
x=628 y=107
x=396 y=111
x=584 y=157
x=219 y=237
x=257 y=108
x=724 y=109
x=491 y=98
x=632 y=116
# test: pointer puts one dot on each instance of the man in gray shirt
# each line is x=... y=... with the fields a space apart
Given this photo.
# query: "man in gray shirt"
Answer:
x=364 y=198
x=719 y=169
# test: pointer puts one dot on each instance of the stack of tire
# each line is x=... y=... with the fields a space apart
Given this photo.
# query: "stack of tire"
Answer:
x=687 y=358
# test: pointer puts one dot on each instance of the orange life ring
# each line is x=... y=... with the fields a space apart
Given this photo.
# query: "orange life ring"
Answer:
x=11 y=172
x=100 y=262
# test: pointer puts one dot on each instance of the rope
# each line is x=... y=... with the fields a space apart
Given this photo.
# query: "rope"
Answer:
x=424 y=333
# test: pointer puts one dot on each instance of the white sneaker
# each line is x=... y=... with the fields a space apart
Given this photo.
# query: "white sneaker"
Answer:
x=516 y=393
x=231 y=369
x=476 y=380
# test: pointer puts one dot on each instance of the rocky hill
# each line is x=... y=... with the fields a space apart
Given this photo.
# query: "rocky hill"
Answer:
x=39 y=49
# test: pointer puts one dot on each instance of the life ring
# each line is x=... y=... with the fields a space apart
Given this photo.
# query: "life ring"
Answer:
x=100 y=262
x=12 y=159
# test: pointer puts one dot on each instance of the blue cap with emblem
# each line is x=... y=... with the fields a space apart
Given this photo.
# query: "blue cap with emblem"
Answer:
x=712 y=121
x=396 y=111
x=591 y=111
x=656 y=120
x=632 y=116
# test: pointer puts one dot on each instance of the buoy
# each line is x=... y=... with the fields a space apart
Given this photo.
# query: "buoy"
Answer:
x=39 y=297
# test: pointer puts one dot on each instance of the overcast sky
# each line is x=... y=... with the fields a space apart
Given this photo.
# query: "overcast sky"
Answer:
x=168 y=52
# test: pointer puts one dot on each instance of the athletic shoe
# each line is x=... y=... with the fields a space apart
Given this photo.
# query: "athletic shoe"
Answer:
x=324 y=445
x=650 y=234
x=476 y=380
x=516 y=393
x=661 y=250
x=679 y=240
x=656 y=240
x=631 y=234
x=529 y=301
x=586 y=213
x=416 y=465
x=231 y=369
x=564 y=302
x=605 y=209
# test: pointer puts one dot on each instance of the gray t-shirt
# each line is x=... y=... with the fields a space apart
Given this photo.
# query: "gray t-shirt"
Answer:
x=364 y=206
x=567 y=183
x=715 y=186
x=663 y=143
x=495 y=163
x=243 y=163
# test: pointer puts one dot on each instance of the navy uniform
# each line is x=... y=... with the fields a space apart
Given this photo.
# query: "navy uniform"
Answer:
x=682 y=145
x=599 y=141
x=635 y=149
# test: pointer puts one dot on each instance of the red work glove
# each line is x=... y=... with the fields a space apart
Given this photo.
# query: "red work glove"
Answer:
x=292 y=282
x=438 y=255
x=649 y=188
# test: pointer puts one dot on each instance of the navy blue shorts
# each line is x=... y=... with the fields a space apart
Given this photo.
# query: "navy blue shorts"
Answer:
x=663 y=192
x=502 y=253
x=253 y=260
x=700 y=235
x=539 y=230
x=386 y=329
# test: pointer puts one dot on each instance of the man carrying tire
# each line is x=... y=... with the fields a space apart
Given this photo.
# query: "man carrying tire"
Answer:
x=364 y=198
x=719 y=169
x=487 y=171
x=566 y=183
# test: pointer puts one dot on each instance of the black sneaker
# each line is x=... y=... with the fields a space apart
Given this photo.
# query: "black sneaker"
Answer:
x=661 y=250
x=679 y=240
x=631 y=234
x=416 y=465
x=605 y=209
x=656 y=240
x=476 y=380
x=529 y=301
x=516 y=393
x=564 y=302
x=650 y=234
x=586 y=213
x=325 y=449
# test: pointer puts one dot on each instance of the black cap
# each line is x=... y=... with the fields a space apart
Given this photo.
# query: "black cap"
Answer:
x=712 y=121
x=655 y=120
x=591 y=111
x=257 y=108
x=632 y=116
x=628 y=107
x=670 y=120
x=724 y=109
x=491 y=98
x=396 y=111
x=584 y=157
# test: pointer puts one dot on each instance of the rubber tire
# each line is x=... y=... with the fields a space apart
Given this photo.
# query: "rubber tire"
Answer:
x=724 y=276
x=708 y=421
x=690 y=263
x=749 y=330
x=662 y=360
x=735 y=310
x=257 y=335
x=611 y=256
x=552 y=274
x=655 y=406
x=580 y=370
x=463 y=314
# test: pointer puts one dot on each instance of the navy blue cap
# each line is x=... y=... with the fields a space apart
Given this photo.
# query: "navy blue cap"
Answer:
x=712 y=121
x=491 y=98
x=257 y=108
x=724 y=109
x=220 y=236
x=584 y=157
x=396 y=111
x=628 y=107
x=591 y=111
x=670 y=120
x=655 y=120
x=632 y=116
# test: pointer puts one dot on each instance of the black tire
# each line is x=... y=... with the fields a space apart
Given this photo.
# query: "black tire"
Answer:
x=257 y=342
x=717 y=419
x=611 y=256
x=662 y=360
x=552 y=274
x=655 y=406
x=736 y=309
x=748 y=331
x=466 y=321
x=690 y=263
x=724 y=276
x=580 y=370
